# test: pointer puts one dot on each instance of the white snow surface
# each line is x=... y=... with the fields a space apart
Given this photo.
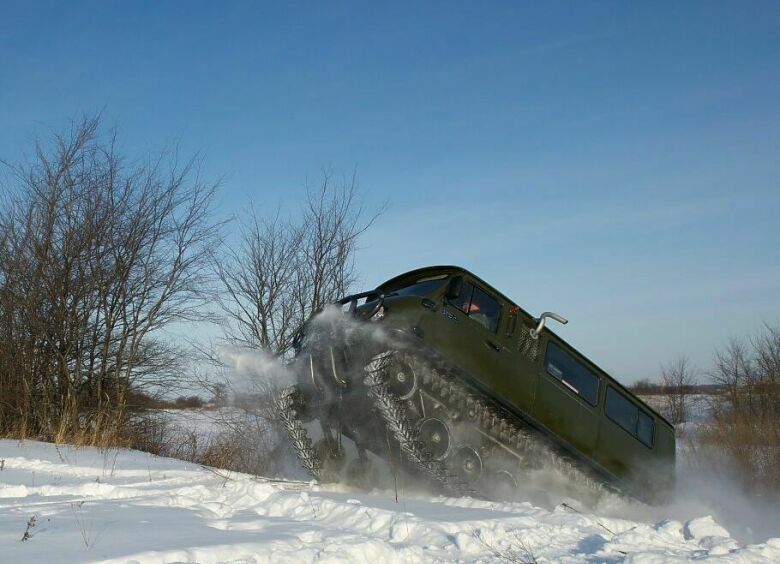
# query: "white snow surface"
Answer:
x=128 y=506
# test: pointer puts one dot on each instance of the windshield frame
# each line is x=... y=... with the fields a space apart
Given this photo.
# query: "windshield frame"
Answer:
x=432 y=285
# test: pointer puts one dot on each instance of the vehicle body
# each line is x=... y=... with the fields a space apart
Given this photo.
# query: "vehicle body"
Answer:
x=490 y=380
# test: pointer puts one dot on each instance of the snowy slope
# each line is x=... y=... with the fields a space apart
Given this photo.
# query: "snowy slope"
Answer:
x=126 y=506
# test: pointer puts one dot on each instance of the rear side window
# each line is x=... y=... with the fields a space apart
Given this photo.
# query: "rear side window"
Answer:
x=478 y=306
x=644 y=428
x=628 y=415
x=579 y=379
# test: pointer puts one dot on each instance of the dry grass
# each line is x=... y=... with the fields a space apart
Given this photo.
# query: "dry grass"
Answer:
x=750 y=442
x=243 y=441
x=516 y=551
x=247 y=441
x=746 y=415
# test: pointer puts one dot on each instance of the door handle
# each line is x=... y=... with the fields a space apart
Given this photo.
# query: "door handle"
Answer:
x=492 y=345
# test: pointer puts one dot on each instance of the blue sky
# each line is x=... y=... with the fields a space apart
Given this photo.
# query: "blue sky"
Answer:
x=616 y=162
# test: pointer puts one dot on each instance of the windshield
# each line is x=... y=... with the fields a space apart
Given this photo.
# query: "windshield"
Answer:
x=422 y=287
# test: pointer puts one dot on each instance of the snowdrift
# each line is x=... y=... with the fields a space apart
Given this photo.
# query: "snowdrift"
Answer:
x=85 y=505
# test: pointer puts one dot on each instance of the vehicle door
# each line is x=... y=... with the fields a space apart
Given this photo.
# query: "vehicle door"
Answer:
x=472 y=339
x=525 y=359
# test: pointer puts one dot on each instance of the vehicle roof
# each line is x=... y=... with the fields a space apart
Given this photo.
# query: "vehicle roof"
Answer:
x=449 y=269
x=452 y=269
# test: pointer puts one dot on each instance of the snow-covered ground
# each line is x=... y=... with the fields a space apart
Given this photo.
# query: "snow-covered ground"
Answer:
x=83 y=505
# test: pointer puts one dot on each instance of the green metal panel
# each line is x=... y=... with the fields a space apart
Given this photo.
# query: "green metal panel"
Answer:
x=564 y=412
x=511 y=366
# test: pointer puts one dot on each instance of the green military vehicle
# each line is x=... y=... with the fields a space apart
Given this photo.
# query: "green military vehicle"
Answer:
x=439 y=371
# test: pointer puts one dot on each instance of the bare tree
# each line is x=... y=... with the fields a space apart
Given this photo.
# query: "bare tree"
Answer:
x=278 y=274
x=332 y=222
x=96 y=256
x=259 y=278
x=678 y=379
x=746 y=413
x=283 y=271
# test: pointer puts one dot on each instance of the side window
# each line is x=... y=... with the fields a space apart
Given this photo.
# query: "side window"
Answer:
x=644 y=428
x=626 y=414
x=463 y=301
x=478 y=306
x=621 y=411
x=562 y=366
x=484 y=310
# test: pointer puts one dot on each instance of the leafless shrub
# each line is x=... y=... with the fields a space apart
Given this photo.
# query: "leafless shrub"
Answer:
x=141 y=400
x=187 y=445
x=517 y=551
x=226 y=454
x=84 y=524
x=148 y=432
x=241 y=440
x=247 y=441
x=646 y=387
x=678 y=380
x=96 y=256
x=188 y=402
x=746 y=412
x=31 y=522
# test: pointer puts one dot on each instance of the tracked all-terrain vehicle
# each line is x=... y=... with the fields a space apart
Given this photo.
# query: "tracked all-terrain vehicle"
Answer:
x=440 y=372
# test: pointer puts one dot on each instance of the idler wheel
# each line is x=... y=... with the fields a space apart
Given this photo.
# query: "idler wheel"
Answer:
x=467 y=464
x=401 y=378
x=435 y=437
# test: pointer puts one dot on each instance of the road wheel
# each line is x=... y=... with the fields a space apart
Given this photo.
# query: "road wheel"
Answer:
x=435 y=437
x=467 y=464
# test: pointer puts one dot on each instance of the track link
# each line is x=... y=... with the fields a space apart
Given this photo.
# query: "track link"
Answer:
x=286 y=403
x=401 y=428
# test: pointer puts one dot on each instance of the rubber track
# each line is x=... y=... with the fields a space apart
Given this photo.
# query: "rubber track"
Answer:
x=404 y=431
x=285 y=409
